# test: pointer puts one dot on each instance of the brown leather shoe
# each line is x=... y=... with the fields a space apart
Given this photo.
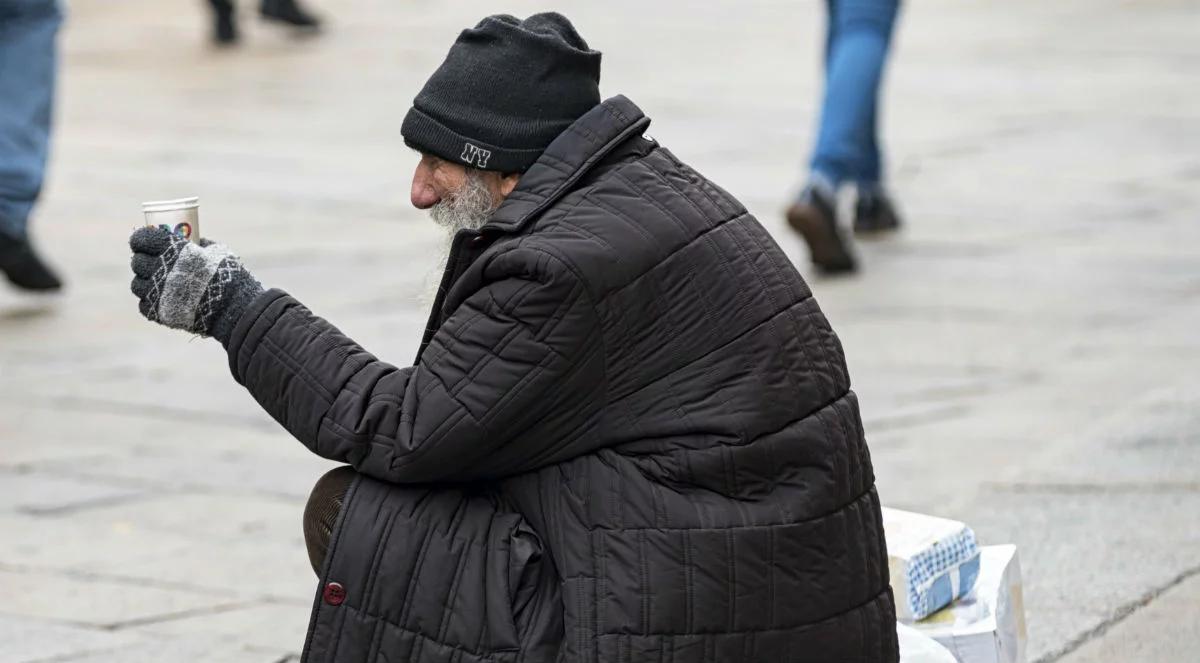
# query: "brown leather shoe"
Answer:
x=814 y=216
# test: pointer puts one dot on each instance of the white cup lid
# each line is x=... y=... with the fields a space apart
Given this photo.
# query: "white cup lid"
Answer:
x=171 y=205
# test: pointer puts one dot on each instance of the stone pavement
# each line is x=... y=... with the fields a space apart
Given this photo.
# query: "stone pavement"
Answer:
x=1026 y=352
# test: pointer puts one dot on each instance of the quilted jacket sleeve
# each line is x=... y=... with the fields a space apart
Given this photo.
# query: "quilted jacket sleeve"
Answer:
x=511 y=381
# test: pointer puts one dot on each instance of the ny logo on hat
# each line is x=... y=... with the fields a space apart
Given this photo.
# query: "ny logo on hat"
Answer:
x=476 y=155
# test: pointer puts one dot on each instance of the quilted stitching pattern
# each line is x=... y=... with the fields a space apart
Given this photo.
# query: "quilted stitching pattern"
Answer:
x=664 y=460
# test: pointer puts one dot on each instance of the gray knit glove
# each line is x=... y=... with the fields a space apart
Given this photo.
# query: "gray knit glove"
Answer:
x=201 y=288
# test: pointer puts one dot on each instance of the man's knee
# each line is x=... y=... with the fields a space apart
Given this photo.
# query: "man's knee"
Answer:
x=321 y=512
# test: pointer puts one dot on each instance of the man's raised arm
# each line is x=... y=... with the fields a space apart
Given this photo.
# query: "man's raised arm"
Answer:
x=509 y=382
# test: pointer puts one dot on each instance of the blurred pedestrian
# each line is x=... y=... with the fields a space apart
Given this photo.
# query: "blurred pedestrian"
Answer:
x=28 y=62
x=847 y=147
x=287 y=12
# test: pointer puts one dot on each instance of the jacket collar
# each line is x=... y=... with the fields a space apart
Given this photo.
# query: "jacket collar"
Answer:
x=566 y=160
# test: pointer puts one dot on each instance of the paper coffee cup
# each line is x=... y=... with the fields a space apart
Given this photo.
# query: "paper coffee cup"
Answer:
x=181 y=216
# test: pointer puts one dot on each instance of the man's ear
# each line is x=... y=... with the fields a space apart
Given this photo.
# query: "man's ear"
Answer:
x=508 y=182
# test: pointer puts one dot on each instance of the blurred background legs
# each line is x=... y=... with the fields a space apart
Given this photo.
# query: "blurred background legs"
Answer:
x=285 y=12
x=28 y=63
x=290 y=13
x=847 y=148
x=224 y=23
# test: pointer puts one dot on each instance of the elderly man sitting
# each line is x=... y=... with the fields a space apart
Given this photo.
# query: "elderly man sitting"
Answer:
x=628 y=434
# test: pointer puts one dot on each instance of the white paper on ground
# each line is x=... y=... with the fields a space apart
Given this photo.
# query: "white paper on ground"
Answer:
x=916 y=647
x=988 y=624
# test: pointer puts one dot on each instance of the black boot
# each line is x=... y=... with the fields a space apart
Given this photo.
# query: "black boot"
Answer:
x=814 y=216
x=224 y=24
x=24 y=268
x=874 y=213
x=287 y=11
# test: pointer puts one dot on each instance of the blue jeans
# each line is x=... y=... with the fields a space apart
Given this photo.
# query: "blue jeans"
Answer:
x=27 y=68
x=856 y=47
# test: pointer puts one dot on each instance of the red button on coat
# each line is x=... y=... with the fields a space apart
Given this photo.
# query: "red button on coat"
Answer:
x=334 y=593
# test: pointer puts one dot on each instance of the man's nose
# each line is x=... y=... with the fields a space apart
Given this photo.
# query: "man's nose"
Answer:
x=423 y=194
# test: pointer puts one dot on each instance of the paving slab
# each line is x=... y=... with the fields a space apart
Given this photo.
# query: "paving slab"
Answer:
x=1165 y=629
x=65 y=543
x=256 y=568
x=25 y=639
x=1023 y=351
x=271 y=626
x=197 y=649
x=283 y=467
x=212 y=517
x=68 y=434
x=31 y=493
x=1087 y=557
x=82 y=599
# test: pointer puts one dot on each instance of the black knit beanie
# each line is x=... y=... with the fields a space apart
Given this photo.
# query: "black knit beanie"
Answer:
x=507 y=88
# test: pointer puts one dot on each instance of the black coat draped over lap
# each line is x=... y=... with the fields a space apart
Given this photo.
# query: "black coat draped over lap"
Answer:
x=629 y=436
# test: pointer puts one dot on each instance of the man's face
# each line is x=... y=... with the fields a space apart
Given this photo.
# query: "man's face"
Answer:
x=458 y=198
x=437 y=180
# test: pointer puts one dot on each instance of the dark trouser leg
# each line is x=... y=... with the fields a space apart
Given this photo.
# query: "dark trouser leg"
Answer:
x=321 y=512
x=225 y=31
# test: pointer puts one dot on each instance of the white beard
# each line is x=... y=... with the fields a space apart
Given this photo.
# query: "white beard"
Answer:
x=467 y=208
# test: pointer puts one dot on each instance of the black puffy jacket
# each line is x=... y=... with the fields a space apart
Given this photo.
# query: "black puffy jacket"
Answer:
x=629 y=436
